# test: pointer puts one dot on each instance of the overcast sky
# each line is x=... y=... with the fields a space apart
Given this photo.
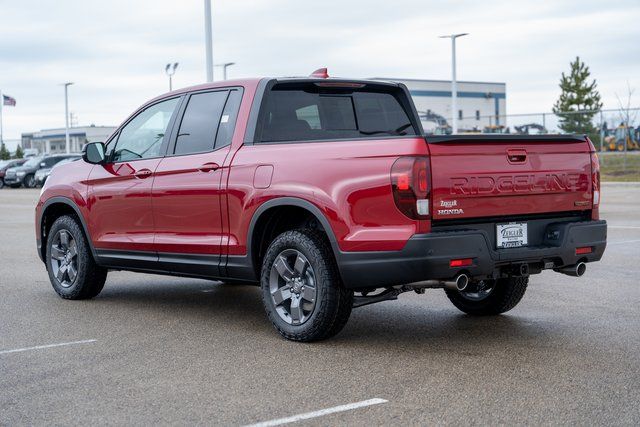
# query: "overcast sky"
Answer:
x=115 y=51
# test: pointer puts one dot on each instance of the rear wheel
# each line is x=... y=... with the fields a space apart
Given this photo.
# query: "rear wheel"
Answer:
x=70 y=264
x=301 y=288
x=489 y=297
x=1 y=183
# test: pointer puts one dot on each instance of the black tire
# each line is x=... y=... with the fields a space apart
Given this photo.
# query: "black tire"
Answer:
x=1 y=183
x=89 y=278
x=505 y=295
x=333 y=302
x=29 y=181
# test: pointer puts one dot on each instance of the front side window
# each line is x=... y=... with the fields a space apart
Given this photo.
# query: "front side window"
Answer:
x=142 y=137
x=199 y=126
x=304 y=112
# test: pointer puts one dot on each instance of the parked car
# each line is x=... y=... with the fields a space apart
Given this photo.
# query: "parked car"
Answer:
x=7 y=164
x=25 y=174
x=42 y=174
x=326 y=193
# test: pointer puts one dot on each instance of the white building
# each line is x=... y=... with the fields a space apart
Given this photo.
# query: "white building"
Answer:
x=52 y=141
x=480 y=104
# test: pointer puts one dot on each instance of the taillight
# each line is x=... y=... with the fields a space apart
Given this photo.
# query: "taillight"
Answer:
x=595 y=185
x=410 y=184
x=595 y=178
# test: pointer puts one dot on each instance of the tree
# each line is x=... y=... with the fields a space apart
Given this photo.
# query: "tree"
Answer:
x=19 y=152
x=4 y=153
x=578 y=94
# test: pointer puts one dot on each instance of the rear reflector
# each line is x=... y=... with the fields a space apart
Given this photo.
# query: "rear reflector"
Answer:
x=461 y=262
x=584 y=250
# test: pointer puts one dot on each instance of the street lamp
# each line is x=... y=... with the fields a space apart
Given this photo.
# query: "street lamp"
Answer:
x=454 y=87
x=224 y=68
x=208 y=40
x=66 y=116
x=170 y=70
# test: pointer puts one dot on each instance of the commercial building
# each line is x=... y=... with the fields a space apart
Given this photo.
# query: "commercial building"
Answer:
x=480 y=104
x=52 y=141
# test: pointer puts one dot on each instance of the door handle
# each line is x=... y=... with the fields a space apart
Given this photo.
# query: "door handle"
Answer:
x=208 y=167
x=143 y=173
x=516 y=156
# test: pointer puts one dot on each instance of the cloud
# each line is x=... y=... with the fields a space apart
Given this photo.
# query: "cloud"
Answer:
x=115 y=51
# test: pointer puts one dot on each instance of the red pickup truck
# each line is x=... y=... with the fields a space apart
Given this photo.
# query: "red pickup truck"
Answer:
x=326 y=193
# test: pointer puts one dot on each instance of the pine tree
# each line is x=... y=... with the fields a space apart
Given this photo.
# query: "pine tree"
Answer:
x=4 y=153
x=577 y=94
x=19 y=152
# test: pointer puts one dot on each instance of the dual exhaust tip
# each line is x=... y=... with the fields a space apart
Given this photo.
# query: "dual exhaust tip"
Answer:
x=461 y=281
x=577 y=270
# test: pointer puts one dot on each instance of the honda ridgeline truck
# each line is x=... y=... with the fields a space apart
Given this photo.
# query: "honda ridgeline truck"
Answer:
x=324 y=192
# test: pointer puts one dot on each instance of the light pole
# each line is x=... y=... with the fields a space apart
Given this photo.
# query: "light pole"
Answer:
x=224 y=68
x=170 y=70
x=66 y=116
x=454 y=83
x=208 y=41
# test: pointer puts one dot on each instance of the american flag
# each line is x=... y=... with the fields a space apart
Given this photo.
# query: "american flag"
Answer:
x=7 y=100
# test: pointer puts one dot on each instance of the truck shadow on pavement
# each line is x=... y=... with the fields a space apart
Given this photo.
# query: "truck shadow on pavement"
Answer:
x=418 y=322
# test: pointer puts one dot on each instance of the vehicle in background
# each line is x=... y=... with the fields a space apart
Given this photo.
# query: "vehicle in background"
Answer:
x=25 y=175
x=531 y=129
x=622 y=138
x=42 y=174
x=7 y=164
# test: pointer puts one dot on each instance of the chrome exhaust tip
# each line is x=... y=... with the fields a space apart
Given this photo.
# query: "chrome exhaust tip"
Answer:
x=577 y=270
x=459 y=283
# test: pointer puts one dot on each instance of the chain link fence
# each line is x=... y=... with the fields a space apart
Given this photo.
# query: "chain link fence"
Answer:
x=610 y=130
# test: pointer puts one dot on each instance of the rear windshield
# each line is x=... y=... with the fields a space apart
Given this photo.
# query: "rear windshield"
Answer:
x=307 y=112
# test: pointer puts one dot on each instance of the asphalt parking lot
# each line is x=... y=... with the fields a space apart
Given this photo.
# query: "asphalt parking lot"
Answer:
x=159 y=350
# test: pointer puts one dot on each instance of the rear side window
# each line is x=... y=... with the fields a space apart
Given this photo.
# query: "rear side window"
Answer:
x=306 y=112
x=199 y=125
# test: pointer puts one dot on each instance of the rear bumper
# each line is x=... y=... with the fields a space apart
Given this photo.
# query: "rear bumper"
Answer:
x=427 y=256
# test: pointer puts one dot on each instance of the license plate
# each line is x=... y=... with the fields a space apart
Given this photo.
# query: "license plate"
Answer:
x=511 y=235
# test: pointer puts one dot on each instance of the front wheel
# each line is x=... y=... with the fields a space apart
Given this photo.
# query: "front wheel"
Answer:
x=301 y=288
x=72 y=270
x=489 y=297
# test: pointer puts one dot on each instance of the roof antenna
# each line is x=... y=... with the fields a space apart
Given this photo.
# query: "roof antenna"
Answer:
x=320 y=73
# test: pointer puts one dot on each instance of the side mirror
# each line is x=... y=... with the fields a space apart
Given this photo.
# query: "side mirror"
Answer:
x=93 y=153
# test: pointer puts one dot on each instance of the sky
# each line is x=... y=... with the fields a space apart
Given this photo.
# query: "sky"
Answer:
x=115 y=51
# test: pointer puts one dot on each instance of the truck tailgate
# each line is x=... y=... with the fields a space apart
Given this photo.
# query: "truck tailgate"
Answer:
x=492 y=175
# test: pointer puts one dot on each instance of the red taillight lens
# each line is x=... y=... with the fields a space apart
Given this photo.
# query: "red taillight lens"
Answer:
x=584 y=250
x=595 y=185
x=464 y=262
x=410 y=184
x=595 y=178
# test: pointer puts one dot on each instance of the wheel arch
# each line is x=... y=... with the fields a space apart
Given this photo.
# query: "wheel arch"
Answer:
x=53 y=209
x=268 y=209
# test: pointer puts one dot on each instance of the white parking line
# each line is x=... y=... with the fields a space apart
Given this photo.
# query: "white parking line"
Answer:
x=320 y=413
x=40 y=347
x=630 y=227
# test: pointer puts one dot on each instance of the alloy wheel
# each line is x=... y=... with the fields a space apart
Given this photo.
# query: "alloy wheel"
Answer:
x=292 y=285
x=64 y=258
x=478 y=291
